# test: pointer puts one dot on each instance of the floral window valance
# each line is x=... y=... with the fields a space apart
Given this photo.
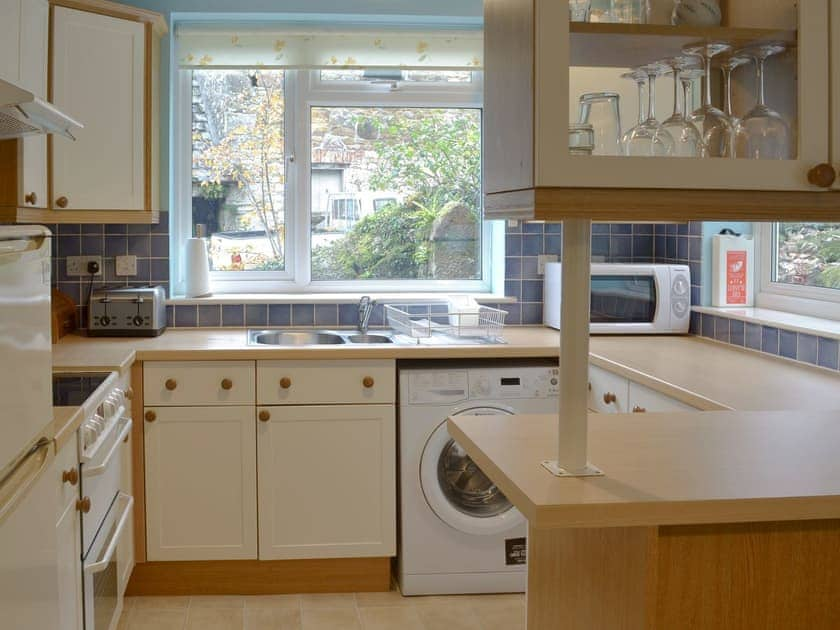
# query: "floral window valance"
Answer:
x=312 y=48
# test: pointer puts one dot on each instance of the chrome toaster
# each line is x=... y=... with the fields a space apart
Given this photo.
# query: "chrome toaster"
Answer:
x=127 y=312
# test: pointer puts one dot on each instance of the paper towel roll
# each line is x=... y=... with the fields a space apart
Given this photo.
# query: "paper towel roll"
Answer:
x=196 y=268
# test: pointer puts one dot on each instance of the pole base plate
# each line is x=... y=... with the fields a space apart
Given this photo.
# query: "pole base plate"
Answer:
x=552 y=466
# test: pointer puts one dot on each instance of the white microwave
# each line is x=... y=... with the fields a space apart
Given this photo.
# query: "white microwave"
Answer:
x=628 y=299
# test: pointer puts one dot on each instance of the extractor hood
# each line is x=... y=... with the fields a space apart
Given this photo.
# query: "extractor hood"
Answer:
x=22 y=114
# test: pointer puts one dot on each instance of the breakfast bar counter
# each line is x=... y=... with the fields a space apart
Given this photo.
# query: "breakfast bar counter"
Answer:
x=717 y=520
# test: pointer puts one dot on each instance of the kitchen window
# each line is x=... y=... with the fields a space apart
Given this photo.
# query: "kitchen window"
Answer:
x=332 y=179
x=799 y=268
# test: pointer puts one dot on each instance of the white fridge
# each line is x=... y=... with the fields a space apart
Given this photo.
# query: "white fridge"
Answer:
x=28 y=490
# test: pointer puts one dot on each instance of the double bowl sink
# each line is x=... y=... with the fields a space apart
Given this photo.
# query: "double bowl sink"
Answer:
x=317 y=337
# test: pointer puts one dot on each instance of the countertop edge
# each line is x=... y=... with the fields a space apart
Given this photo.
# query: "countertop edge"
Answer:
x=66 y=420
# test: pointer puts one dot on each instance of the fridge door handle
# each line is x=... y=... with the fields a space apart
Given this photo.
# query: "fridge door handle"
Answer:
x=108 y=554
x=21 y=245
x=12 y=490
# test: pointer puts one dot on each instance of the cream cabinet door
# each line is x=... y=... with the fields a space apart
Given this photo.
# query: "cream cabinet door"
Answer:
x=327 y=481
x=98 y=78
x=646 y=399
x=201 y=483
x=608 y=392
x=34 y=29
x=69 y=569
x=125 y=549
x=10 y=40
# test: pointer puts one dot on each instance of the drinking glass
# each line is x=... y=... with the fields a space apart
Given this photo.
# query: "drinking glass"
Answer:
x=640 y=78
x=600 y=109
x=581 y=139
x=631 y=11
x=712 y=122
x=728 y=67
x=687 y=78
x=648 y=138
x=763 y=134
x=687 y=139
x=579 y=10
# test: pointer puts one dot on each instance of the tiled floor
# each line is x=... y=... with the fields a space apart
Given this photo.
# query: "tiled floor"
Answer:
x=344 y=611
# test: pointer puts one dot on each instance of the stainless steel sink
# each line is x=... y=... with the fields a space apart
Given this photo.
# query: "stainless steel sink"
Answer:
x=314 y=338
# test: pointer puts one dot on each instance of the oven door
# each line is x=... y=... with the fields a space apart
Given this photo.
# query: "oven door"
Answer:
x=100 y=575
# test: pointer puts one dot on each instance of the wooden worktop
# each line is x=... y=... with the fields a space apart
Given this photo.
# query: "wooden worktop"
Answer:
x=699 y=372
x=666 y=468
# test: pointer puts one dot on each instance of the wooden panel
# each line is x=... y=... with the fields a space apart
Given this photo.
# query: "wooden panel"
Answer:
x=508 y=94
x=327 y=481
x=257 y=577
x=33 y=215
x=630 y=45
x=672 y=205
x=138 y=462
x=201 y=483
x=325 y=382
x=834 y=63
x=8 y=177
x=199 y=383
x=581 y=579
x=758 y=575
x=98 y=78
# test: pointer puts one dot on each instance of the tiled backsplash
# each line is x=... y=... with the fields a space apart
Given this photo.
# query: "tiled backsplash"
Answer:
x=813 y=349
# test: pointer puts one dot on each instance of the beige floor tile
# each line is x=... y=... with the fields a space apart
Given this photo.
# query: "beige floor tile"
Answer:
x=217 y=601
x=213 y=618
x=128 y=602
x=160 y=603
x=390 y=598
x=449 y=616
x=272 y=618
x=272 y=601
x=157 y=619
x=122 y=624
x=331 y=619
x=391 y=618
x=327 y=600
x=501 y=615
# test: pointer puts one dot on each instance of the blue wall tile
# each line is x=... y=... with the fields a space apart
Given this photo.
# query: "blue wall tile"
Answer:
x=279 y=314
x=770 y=339
x=186 y=316
x=736 y=332
x=233 y=315
x=326 y=315
x=787 y=344
x=722 y=329
x=209 y=315
x=753 y=336
x=303 y=314
x=827 y=353
x=807 y=348
x=256 y=314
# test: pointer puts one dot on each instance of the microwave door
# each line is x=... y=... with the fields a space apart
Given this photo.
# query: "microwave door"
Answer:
x=622 y=299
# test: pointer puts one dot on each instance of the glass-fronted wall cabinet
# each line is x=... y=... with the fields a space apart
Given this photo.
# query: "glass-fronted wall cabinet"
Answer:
x=690 y=95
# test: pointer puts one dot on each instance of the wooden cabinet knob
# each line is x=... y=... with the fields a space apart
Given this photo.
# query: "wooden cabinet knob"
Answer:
x=609 y=398
x=822 y=175
x=83 y=505
x=264 y=416
x=285 y=382
x=70 y=476
x=31 y=199
x=227 y=383
x=638 y=409
x=170 y=384
x=150 y=416
x=129 y=393
x=367 y=381
x=62 y=202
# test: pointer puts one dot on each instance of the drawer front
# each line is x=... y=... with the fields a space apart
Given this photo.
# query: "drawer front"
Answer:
x=66 y=471
x=646 y=399
x=204 y=383
x=325 y=382
x=608 y=392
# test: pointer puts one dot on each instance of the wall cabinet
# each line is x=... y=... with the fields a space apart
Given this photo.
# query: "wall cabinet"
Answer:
x=104 y=68
x=327 y=481
x=68 y=533
x=537 y=65
x=201 y=483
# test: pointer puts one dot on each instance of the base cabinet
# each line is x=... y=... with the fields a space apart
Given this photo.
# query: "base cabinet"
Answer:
x=327 y=481
x=68 y=540
x=201 y=483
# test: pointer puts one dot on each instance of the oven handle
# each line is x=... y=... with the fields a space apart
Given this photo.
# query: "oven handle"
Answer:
x=107 y=556
x=98 y=470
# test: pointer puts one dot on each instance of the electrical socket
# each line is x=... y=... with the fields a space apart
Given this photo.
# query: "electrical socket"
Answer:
x=126 y=266
x=541 y=260
x=77 y=265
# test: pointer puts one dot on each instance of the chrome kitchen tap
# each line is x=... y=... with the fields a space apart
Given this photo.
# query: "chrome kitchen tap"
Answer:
x=365 y=309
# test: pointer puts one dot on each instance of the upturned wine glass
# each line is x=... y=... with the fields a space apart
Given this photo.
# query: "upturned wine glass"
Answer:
x=687 y=79
x=648 y=138
x=728 y=66
x=762 y=134
x=687 y=139
x=712 y=122
x=640 y=78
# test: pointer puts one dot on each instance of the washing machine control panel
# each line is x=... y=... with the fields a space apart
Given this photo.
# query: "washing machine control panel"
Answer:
x=523 y=382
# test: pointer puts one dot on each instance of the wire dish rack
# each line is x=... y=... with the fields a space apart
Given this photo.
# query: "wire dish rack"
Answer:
x=422 y=321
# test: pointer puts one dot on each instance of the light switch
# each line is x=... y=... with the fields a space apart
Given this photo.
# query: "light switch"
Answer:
x=126 y=266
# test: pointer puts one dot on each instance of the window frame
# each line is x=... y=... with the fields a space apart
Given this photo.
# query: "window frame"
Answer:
x=799 y=299
x=303 y=90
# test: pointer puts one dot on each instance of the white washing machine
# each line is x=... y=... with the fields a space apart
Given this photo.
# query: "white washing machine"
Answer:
x=459 y=533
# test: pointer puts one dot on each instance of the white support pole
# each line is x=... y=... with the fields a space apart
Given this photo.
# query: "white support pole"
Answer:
x=574 y=351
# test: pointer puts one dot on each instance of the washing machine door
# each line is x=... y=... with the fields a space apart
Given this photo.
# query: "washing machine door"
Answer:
x=456 y=489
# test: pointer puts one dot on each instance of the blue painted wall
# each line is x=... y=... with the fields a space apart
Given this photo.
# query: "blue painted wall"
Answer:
x=710 y=228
